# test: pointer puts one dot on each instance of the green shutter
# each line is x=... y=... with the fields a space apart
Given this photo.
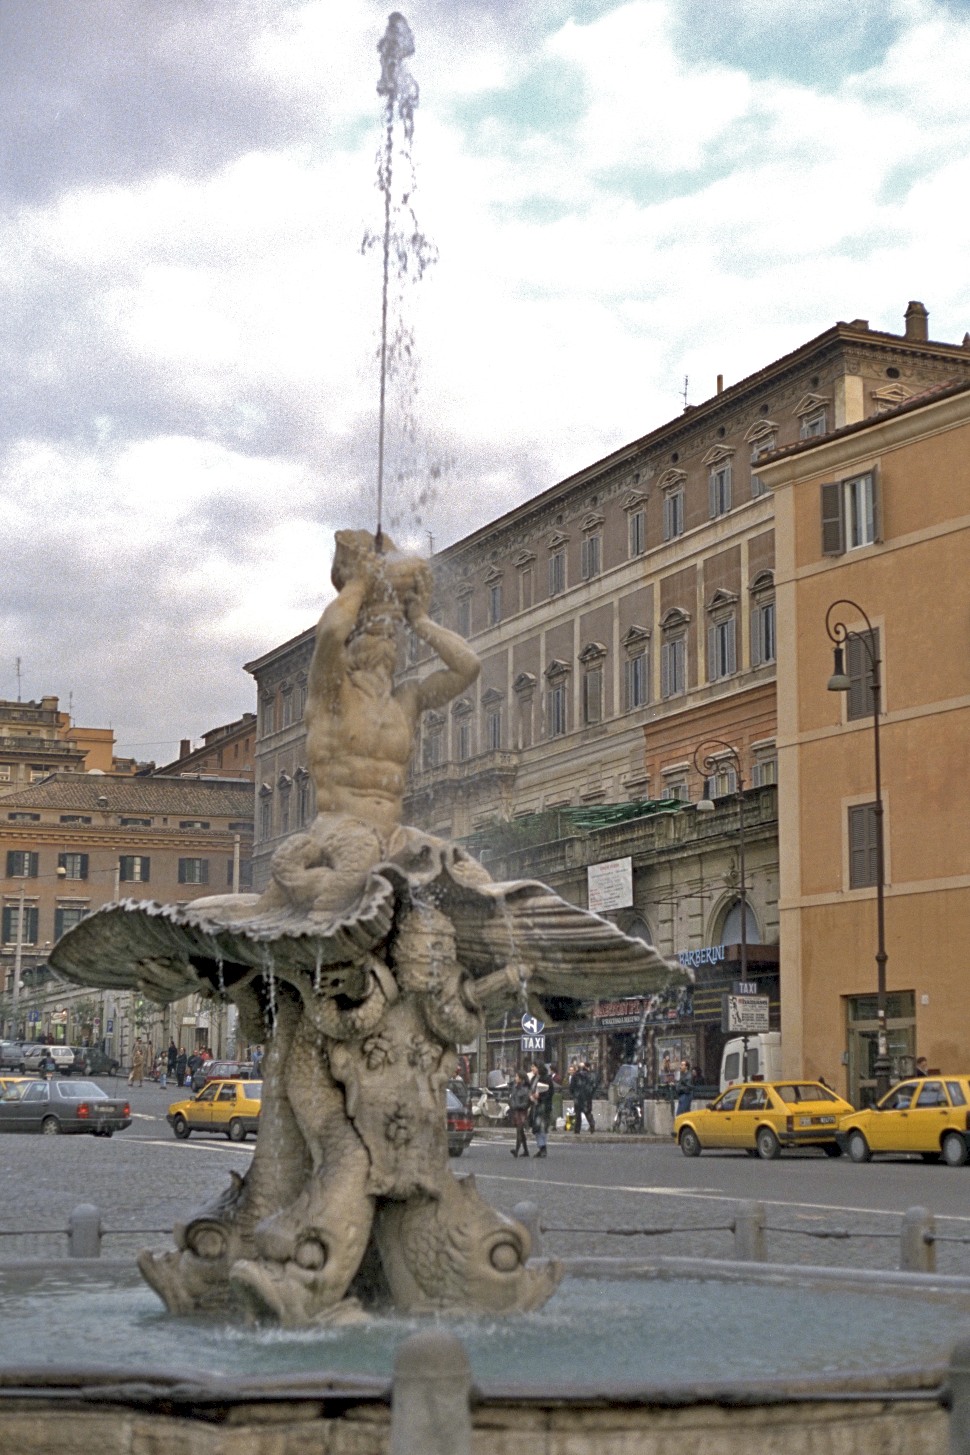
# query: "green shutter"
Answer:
x=833 y=523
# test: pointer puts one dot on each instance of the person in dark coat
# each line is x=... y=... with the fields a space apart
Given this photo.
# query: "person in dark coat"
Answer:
x=540 y=1096
x=581 y=1084
x=171 y=1056
x=520 y=1106
x=181 y=1065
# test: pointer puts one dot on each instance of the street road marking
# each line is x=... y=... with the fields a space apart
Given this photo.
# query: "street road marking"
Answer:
x=193 y=1146
x=705 y=1194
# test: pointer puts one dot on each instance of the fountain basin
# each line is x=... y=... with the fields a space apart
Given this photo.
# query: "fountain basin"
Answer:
x=677 y=1352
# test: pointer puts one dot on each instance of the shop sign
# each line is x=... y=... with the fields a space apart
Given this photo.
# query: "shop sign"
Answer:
x=674 y=1003
x=745 y=1014
x=609 y=885
x=533 y=1038
x=707 y=955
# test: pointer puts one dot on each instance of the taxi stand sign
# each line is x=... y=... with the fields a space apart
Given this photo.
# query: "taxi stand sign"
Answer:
x=533 y=1038
x=744 y=1015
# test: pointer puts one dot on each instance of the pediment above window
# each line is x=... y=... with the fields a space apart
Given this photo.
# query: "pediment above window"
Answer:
x=636 y=637
x=760 y=430
x=892 y=394
x=265 y=791
x=492 y=697
x=525 y=682
x=284 y=781
x=718 y=454
x=809 y=403
x=764 y=581
x=461 y=707
x=557 y=540
x=592 y=652
x=674 y=618
x=593 y=522
x=670 y=479
x=721 y=599
x=464 y=590
x=635 y=499
x=433 y=720
x=524 y=558
x=492 y=575
x=556 y=668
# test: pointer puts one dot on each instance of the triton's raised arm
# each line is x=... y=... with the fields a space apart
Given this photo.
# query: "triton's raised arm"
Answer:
x=461 y=664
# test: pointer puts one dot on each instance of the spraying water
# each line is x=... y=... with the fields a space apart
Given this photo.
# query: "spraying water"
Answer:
x=405 y=254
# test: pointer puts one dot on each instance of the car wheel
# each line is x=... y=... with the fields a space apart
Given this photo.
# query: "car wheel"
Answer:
x=455 y=1151
x=954 y=1150
x=237 y=1132
x=181 y=1128
x=690 y=1142
x=50 y=1127
x=767 y=1144
x=859 y=1147
x=831 y=1149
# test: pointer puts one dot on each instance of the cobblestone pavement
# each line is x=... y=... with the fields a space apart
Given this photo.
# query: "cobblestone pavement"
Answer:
x=143 y=1180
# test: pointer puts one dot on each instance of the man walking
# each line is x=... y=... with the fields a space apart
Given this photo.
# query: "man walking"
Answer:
x=581 y=1084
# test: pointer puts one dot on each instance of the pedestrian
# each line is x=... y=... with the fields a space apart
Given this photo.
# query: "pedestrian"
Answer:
x=581 y=1084
x=922 y=1066
x=171 y=1056
x=136 y=1076
x=181 y=1065
x=520 y=1105
x=540 y=1095
x=257 y=1059
x=685 y=1089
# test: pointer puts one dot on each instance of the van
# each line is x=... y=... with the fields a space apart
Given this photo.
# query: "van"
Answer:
x=764 y=1059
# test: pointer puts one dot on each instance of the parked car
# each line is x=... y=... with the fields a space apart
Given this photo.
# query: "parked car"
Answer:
x=229 y=1107
x=761 y=1117
x=62 y=1106
x=11 y=1054
x=220 y=1071
x=89 y=1061
x=928 y=1114
x=7 y=1082
x=461 y=1124
x=34 y=1052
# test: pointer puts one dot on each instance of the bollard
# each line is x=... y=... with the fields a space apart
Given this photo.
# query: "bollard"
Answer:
x=84 y=1232
x=917 y=1241
x=527 y=1213
x=749 y=1232
x=958 y=1392
x=430 y=1412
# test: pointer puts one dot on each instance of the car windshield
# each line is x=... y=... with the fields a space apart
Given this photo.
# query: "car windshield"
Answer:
x=805 y=1091
x=15 y=1093
x=254 y=1090
x=80 y=1091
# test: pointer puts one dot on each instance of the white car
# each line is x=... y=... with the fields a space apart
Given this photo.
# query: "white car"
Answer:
x=36 y=1051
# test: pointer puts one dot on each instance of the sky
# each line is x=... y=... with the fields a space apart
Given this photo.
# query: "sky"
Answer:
x=616 y=198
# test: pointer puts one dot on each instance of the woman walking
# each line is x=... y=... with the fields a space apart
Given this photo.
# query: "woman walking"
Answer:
x=540 y=1095
x=520 y=1104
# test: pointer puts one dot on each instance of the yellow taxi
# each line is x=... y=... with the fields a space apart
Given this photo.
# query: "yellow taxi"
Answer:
x=761 y=1117
x=927 y=1114
x=227 y=1106
x=6 y=1082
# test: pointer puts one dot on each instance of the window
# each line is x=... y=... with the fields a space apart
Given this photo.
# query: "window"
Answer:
x=637 y=530
x=556 y=709
x=66 y=917
x=76 y=818
x=304 y=797
x=134 y=868
x=193 y=823
x=23 y=817
x=764 y=770
x=431 y=747
x=850 y=514
x=38 y=773
x=495 y=603
x=285 y=811
x=721 y=649
x=193 y=871
x=139 y=823
x=493 y=729
x=265 y=812
x=414 y=648
x=858 y=667
x=465 y=616
x=590 y=552
x=75 y=865
x=636 y=681
x=762 y=632
x=463 y=739
x=21 y=864
x=863 y=846
x=592 y=695
x=673 y=514
x=675 y=785
x=526 y=588
x=287 y=706
x=722 y=783
x=813 y=424
x=557 y=572
x=673 y=666
x=719 y=485
x=245 y=873
x=11 y=919
x=5 y=772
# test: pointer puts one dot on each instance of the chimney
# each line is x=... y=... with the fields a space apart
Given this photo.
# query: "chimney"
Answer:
x=917 y=323
x=185 y=747
x=720 y=383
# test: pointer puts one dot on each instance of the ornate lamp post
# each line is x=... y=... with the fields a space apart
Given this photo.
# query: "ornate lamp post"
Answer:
x=708 y=757
x=840 y=681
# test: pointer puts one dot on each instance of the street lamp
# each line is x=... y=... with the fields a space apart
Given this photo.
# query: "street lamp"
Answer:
x=840 y=681
x=708 y=757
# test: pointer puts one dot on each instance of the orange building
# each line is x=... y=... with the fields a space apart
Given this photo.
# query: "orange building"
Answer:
x=875 y=517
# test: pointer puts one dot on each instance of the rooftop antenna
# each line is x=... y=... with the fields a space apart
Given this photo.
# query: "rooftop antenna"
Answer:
x=685 y=391
x=430 y=543
x=401 y=92
x=18 y=679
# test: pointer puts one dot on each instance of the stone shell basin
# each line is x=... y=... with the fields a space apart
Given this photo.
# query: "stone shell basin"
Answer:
x=632 y=1355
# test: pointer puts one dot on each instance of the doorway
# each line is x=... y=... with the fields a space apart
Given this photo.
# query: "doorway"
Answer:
x=862 y=1029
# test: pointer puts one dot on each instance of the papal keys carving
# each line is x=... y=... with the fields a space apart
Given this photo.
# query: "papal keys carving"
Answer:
x=375 y=950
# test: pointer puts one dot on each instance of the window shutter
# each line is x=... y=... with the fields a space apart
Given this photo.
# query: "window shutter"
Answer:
x=712 y=653
x=876 y=506
x=665 y=670
x=712 y=494
x=731 y=653
x=833 y=523
x=756 y=653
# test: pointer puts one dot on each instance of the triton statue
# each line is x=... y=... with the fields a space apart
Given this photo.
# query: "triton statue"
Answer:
x=375 y=950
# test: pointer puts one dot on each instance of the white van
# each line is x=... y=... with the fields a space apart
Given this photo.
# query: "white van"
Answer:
x=764 y=1059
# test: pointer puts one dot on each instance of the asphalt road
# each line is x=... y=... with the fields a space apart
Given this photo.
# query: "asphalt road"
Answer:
x=143 y=1180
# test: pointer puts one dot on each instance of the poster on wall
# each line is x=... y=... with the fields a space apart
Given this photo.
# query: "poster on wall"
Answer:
x=671 y=1050
x=610 y=885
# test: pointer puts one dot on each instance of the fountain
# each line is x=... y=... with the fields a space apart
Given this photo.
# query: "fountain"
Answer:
x=375 y=949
